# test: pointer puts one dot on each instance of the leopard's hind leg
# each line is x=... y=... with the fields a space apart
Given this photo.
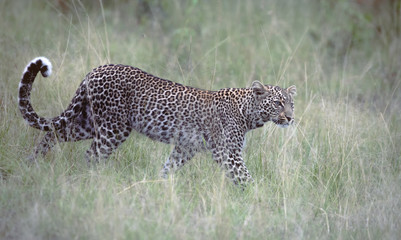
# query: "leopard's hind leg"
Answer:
x=81 y=128
x=106 y=139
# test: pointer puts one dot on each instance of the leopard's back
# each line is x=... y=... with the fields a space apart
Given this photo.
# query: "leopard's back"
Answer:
x=160 y=109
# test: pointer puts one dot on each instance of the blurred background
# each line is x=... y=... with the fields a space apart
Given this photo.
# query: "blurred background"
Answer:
x=337 y=45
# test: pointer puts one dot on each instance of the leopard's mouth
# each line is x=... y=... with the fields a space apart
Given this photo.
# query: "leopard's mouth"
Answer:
x=284 y=122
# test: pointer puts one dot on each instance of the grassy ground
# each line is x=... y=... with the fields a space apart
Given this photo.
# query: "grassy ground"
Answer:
x=336 y=174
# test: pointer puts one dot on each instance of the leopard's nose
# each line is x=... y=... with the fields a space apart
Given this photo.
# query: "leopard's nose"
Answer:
x=290 y=120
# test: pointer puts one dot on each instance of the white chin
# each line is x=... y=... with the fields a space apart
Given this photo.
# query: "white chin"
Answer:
x=283 y=126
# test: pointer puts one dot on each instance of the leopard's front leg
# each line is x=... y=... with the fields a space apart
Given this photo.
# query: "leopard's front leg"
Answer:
x=178 y=157
x=230 y=159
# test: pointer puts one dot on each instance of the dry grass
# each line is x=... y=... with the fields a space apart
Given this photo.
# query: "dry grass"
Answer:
x=336 y=174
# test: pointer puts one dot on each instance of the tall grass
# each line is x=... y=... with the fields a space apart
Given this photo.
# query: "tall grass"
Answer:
x=336 y=174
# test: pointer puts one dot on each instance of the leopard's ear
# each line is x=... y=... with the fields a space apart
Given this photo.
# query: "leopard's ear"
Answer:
x=259 y=89
x=292 y=90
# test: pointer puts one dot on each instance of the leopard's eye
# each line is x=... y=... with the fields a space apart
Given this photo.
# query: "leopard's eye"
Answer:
x=278 y=103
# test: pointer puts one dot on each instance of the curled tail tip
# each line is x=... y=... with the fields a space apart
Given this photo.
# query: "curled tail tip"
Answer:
x=44 y=65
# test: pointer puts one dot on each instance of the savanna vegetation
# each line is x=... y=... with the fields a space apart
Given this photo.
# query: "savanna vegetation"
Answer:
x=335 y=174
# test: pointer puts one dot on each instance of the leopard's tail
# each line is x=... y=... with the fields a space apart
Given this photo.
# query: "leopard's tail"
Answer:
x=43 y=65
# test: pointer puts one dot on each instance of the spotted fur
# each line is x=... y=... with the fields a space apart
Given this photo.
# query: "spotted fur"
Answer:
x=113 y=100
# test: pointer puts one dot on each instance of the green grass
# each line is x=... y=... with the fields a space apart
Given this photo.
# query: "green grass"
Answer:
x=334 y=175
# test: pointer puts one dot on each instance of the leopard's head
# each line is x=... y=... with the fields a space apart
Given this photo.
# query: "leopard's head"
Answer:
x=274 y=103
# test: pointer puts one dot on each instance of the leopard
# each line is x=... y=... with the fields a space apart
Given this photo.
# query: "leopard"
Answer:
x=115 y=99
